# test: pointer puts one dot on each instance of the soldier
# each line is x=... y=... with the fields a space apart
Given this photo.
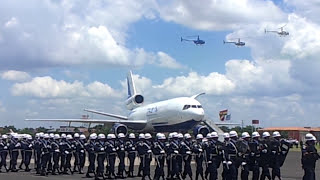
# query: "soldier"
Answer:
x=4 y=150
x=159 y=152
x=245 y=152
x=198 y=150
x=15 y=146
x=309 y=157
x=179 y=156
x=140 y=153
x=265 y=156
x=27 y=146
x=120 y=146
x=23 y=139
x=63 y=152
x=56 y=154
x=254 y=156
x=101 y=154
x=45 y=153
x=131 y=150
x=173 y=151
x=186 y=153
x=51 y=138
x=91 y=153
x=275 y=155
x=76 y=152
x=69 y=148
x=230 y=154
x=37 y=151
x=212 y=152
x=147 y=153
x=111 y=155
x=81 y=150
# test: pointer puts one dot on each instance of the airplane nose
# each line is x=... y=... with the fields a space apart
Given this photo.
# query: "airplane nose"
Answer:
x=198 y=115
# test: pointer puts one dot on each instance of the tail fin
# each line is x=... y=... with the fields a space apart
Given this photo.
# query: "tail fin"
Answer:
x=131 y=86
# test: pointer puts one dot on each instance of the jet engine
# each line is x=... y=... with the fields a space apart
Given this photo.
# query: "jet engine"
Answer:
x=200 y=129
x=119 y=128
x=134 y=101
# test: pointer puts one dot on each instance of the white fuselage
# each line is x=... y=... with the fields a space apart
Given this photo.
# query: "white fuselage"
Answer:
x=170 y=115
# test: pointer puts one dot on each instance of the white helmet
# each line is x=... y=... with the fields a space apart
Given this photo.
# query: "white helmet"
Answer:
x=233 y=134
x=187 y=136
x=245 y=135
x=276 y=134
x=265 y=134
x=121 y=135
x=162 y=136
x=29 y=137
x=63 y=136
x=82 y=136
x=37 y=135
x=147 y=136
x=46 y=136
x=214 y=135
x=76 y=135
x=226 y=135
x=51 y=135
x=41 y=134
x=101 y=136
x=309 y=137
x=93 y=136
x=170 y=136
x=56 y=136
x=69 y=137
x=255 y=134
x=208 y=136
x=141 y=136
x=180 y=135
x=4 y=136
x=199 y=136
x=174 y=135
x=132 y=136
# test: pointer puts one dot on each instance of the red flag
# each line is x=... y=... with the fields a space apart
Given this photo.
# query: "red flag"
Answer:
x=222 y=114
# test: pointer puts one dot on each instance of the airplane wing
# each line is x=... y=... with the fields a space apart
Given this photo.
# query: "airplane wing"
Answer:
x=98 y=121
x=107 y=114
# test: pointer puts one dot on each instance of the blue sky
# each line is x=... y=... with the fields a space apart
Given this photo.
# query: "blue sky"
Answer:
x=58 y=57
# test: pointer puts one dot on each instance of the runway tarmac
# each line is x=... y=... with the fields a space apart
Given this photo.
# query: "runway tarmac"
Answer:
x=291 y=170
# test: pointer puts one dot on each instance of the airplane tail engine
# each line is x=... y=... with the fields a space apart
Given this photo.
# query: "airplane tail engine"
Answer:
x=119 y=128
x=134 y=101
x=200 y=129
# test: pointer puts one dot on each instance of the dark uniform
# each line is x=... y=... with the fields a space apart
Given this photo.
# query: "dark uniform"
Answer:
x=254 y=157
x=45 y=155
x=37 y=154
x=264 y=159
x=55 y=156
x=308 y=160
x=131 y=150
x=230 y=153
x=111 y=157
x=147 y=153
x=197 y=148
x=92 y=155
x=186 y=153
x=63 y=145
x=120 y=146
x=141 y=156
x=101 y=155
x=159 y=153
x=4 y=150
x=82 y=154
x=275 y=158
x=15 y=147
x=244 y=156
x=27 y=147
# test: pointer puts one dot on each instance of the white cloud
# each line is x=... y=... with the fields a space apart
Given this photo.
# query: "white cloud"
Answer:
x=11 y=23
x=13 y=75
x=167 y=61
x=47 y=87
x=220 y=14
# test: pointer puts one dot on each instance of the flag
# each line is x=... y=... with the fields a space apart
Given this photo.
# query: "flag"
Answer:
x=228 y=117
x=222 y=114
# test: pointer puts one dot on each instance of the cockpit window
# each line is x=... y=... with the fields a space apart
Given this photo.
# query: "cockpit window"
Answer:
x=199 y=106
x=186 y=107
x=194 y=106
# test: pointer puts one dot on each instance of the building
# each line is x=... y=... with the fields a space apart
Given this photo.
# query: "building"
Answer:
x=294 y=132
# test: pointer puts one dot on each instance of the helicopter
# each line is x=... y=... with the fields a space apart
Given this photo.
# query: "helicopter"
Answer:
x=281 y=32
x=237 y=43
x=197 y=41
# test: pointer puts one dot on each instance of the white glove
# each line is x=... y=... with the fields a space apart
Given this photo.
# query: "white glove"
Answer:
x=67 y=152
x=42 y=153
x=5 y=147
x=101 y=149
x=82 y=151
x=122 y=149
x=224 y=162
x=162 y=152
x=252 y=154
x=188 y=152
x=57 y=150
x=273 y=152
x=229 y=162
x=113 y=149
x=200 y=150
x=243 y=163
x=133 y=148
x=176 y=151
x=72 y=145
x=30 y=145
x=264 y=151
x=149 y=151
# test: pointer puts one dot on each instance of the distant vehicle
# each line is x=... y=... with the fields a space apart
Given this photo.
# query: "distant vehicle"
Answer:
x=280 y=33
x=197 y=41
x=237 y=43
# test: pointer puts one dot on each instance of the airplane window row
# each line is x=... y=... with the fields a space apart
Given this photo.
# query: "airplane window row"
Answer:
x=191 y=106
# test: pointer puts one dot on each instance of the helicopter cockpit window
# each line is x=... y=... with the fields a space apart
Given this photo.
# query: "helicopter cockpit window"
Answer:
x=186 y=107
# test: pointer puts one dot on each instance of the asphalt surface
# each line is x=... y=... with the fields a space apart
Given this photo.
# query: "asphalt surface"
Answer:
x=291 y=170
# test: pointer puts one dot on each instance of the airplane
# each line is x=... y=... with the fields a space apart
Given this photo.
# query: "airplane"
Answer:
x=174 y=115
x=281 y=32
x=198 y=41
x=237 y=43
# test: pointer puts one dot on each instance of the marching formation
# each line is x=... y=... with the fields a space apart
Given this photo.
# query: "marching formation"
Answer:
x=54 y=154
